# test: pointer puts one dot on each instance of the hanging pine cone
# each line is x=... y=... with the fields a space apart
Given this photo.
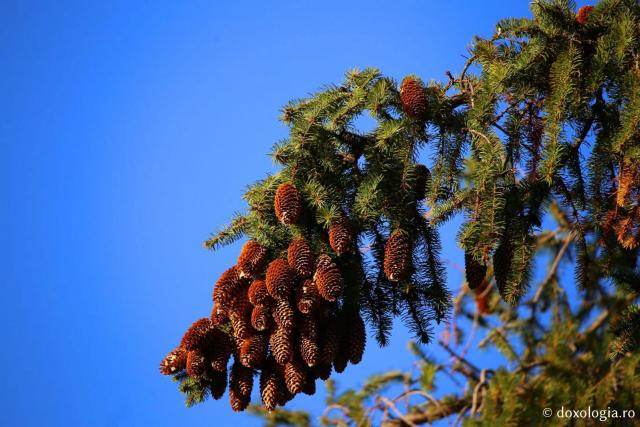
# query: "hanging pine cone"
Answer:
x=225 y=287
x=413 y=97
x=251 y=259
x=287 y=204
x=282 y=345
x=308 y=340
x=356 y=338
x=329 y=339
x=253 y=351
x=218 y=384
x=341 y=360
x=283 y=315
x=294 y=375
x=279 y=279
x=583 y=14
x=341 y=236
x=307 y=297
x=328 y=280
x=218 y=349
x=474 y=271
x=258 y=294
x=196 y=334
x=261 y=318
x=240 y=386
x=270 y=388
x=218 y=316
x=175 y=361
x=196 y=363
x=240 y=316
x=309 y=386
x=322 y=371
x=502 y=264
x=420 y=184
x=397 y=257
x=300 y=257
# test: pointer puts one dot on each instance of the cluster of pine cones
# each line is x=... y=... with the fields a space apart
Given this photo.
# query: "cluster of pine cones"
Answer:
x=280 y=318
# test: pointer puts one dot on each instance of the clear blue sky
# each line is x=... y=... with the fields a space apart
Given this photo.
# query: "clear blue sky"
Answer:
x=128 y=131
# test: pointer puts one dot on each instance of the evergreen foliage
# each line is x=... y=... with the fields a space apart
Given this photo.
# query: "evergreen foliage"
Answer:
x=542 y=124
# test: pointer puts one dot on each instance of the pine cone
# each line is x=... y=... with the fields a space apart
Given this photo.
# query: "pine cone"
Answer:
x=341 y=360
x=225 y=287
x=261 y=318
x=397 y=257
x=218 y=384
x=308 y=340
x=329 y=281
x=583 y=14
x=474 y=271
x=341 y=236
x=253 y=350
x=282 y=345
x=284 y=316
x=413 y=97
x=279 y=279
x=502 y=264
x=175 y=361
x=310 y=385
x=294 y=375
x=252 y=258
x=300 y=257
x=218 y=316
x=356 y=338
x=196 y=334
x=258 y=294
x=196 y=363
x=240 y=316
x=287 y=204
x=329 y=340
x=322 y=371
x=241 y=384
x=218 y=349
x=307 y=297
x=420 y=184
x=270 y=388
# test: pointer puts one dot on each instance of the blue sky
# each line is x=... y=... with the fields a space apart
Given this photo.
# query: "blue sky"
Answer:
x=129 y=130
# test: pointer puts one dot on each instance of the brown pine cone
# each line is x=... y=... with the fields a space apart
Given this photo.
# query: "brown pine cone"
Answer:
x=341 y=360
x=253 y=351
x=502 y=264
x=356 y=338
x=307 y=297
x=218 y=349
x=175 y=361
x=329 y=281
x=287 y=204
x=240 y=386
x=309 y=386
x=329 y=339
x=474 y=271
x=218 y=384
x=258 y=294
x=294 y=375
x=252 y=258
x=300 y=257
x=196 y=363
x=341 y=236
x=284 y=315
x=308 y=340
x=279 y=279
x=397 y=257
x=219 y=316
x=282 y=345
x=225 y=287
x=240 y=316
x=261 y=318
x=322 y=371
x=196 y=334
x=583 y=14
x=413 y=97
x=270 y=387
